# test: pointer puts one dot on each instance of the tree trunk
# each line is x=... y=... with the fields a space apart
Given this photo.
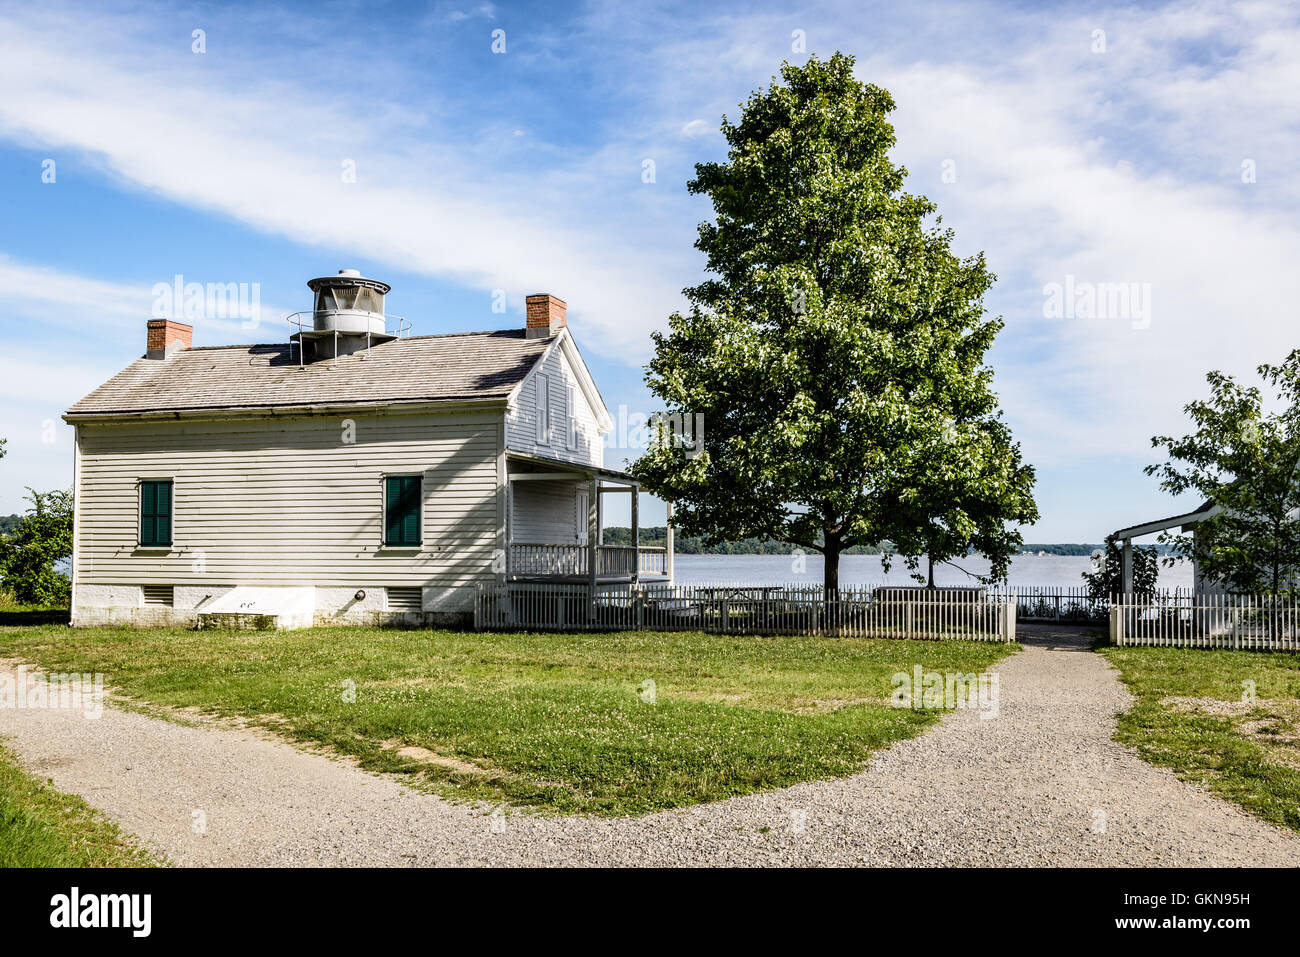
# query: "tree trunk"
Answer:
x=831 y=574
x=831 y=585
x=930 y=584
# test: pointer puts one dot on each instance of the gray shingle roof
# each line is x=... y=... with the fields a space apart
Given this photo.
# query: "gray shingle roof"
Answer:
x=475 y=365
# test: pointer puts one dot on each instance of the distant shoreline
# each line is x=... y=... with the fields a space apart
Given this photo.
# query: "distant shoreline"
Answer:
x=689 y=545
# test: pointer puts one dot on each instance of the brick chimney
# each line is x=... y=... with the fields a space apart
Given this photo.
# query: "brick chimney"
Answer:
x=166 y=337
x=544 y=315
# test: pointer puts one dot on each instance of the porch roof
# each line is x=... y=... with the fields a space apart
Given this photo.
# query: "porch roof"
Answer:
x=1200 y=514
x=582 y=469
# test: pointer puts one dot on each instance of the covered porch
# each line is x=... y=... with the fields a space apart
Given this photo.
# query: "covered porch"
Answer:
x=556 y=522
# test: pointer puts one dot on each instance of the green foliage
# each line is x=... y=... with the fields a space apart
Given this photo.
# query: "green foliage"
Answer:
x=1243 y=460
x=42 y=539
x=1107 y=575
x=552 y=721
x=837 y=354
x=8 y=523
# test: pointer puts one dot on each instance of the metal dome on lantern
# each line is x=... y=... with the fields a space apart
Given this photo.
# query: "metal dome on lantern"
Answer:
x=348 y=313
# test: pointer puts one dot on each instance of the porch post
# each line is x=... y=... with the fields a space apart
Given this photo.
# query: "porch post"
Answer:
x=503 y=507
x=1128 y=566
x=668 y=541
x=593 y=536
x=636 y=537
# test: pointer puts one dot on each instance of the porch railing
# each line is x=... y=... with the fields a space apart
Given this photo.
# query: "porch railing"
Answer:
x=543 y=560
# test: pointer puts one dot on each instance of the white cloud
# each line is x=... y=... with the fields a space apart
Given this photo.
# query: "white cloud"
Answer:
x=485 y=11
x=272 y=157
x=66 y=334
x=1047 y=197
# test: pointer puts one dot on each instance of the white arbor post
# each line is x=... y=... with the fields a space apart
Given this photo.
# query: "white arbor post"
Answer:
x=668 y=540
x=636 y=537
x=593 y=536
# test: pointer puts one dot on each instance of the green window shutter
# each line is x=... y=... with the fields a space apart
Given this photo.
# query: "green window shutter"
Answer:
x=411 y=512
x=392 y=518
x=155 y=513
x=402 y=510
x=147 y=508
x=163 y=516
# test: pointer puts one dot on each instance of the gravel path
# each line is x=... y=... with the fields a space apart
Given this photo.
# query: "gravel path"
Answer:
x=1041 y=784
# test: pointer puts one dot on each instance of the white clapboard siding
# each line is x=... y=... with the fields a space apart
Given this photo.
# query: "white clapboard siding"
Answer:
x=545 y=512
x=285 y=501
x=566 y=398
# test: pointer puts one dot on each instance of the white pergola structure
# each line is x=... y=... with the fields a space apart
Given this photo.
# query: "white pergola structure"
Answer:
x=1185 y=522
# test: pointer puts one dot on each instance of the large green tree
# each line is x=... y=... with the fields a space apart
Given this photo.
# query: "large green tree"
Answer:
x=836 y=353
x=1243 y=457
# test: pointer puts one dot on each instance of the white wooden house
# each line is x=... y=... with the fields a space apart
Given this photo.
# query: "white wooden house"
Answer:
x=350 y=474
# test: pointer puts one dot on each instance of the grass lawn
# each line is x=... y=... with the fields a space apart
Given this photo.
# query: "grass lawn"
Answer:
x=1191 y=715
x=560 y=722
x=41 y=827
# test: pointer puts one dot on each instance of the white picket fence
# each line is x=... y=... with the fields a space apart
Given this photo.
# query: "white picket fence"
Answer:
x=968 y=614
x=1249 y=622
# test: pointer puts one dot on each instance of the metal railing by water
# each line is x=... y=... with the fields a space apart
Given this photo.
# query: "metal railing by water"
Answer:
x=859 y=611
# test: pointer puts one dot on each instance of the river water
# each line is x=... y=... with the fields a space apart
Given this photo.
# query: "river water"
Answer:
x=1065 y=571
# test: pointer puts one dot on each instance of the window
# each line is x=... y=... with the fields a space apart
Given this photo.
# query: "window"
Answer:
x=543 y=386
x=156 y=513
x=571 y=410
x=402 y=510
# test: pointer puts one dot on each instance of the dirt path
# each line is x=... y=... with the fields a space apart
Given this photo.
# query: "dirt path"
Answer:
x=1042 y=783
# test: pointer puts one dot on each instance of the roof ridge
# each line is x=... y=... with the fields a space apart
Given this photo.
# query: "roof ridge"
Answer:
x=257 y=374
x=432 y=335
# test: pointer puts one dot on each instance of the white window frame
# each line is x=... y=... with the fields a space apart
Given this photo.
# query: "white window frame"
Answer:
x=542 y=407
x=571 y=409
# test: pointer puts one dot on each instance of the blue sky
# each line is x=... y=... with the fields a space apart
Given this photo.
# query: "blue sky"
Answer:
x=1119 y=161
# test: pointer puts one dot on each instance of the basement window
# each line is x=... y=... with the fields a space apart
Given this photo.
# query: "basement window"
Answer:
x=156 y=513
x=402 y=494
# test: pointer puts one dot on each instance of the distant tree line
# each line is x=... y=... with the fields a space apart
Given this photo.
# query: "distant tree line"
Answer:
x=1081 y=549
x=656 y=535
x=695 y=545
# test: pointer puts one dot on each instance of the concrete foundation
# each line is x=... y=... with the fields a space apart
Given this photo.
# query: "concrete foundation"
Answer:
x=237 y=607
